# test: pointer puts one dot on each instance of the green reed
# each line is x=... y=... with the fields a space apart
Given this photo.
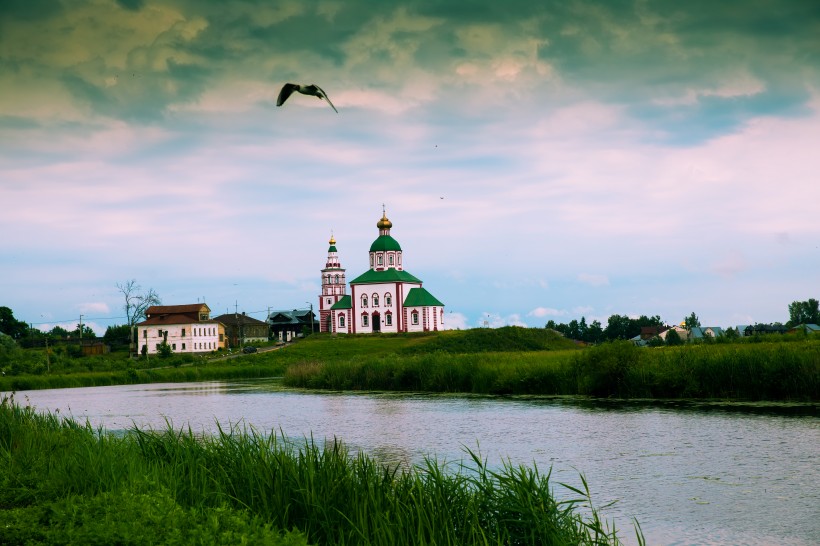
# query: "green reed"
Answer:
x=63 y=482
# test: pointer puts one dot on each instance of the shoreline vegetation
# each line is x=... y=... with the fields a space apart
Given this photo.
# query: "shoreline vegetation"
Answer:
x=510 y=360
x=67 y=483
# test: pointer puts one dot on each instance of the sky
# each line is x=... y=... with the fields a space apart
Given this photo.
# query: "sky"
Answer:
x=539 y=160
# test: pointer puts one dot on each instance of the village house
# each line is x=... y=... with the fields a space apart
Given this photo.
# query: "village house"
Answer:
x=241 y=329
x=186 y=328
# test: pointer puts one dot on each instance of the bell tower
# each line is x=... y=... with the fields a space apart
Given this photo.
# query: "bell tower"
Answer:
x=334 y=286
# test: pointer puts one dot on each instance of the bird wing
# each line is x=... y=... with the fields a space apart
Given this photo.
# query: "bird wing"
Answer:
x=286 y=91
x=323 y=95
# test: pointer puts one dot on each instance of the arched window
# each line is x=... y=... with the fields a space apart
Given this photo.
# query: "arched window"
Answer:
x=414 y=317
x=364 y=300
x=341 y=321
x=337 y=279
x=390 y=259
x=379 y=259
x=388 y=300
x=375 y=300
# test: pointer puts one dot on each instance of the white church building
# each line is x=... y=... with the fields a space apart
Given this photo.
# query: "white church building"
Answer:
x=385 y=298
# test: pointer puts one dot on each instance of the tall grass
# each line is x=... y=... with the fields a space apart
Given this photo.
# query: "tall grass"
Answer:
x=63 y=482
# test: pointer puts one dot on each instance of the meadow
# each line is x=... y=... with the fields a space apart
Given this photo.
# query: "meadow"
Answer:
x=501 y=361
x=66 y=483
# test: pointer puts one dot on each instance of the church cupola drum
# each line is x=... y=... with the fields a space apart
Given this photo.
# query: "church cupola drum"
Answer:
x=385 y=298
x=334 y=286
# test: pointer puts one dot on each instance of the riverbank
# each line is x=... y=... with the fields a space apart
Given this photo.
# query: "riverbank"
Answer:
x=486 y=361
x=66 y=482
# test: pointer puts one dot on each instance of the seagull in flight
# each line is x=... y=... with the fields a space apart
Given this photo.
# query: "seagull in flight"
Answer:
x=311 y=89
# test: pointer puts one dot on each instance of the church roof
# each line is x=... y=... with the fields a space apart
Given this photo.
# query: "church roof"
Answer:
x=343 y=303
x=385 y=243
x=420 y=297
x=388 y=275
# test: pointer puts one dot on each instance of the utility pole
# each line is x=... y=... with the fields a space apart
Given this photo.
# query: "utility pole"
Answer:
x=81 y=329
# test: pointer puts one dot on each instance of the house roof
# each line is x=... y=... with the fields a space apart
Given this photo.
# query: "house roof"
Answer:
x=176 y=309
x=343 y=303
x=172 y=319
x=420 y=297
x=232 y=319
x=294 y=316
x=389 y=275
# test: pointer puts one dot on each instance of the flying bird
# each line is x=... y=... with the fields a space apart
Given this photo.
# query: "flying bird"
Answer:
x=311 y=89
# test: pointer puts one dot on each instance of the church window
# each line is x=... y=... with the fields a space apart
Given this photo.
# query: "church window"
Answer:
x=341 y=321
x=364 y=300
x=375 y=300
x=414 y=317
x=388 y=300
x=364 y=320
x=329 y=301
x=379 y=259
x=371 y=260
x=337 y=279
x=390 y=259
x=388 y=319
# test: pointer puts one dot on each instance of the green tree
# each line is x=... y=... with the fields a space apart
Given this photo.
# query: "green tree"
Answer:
x=10 y=326
x=692 y=321
x=673 y=338
x=595 y=333
x=117 y=336
x=59 y=332
x=804 y=312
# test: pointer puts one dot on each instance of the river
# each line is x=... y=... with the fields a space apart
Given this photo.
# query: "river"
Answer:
x=691 y=474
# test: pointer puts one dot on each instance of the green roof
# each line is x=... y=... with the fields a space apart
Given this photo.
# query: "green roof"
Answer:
x=332 y=248
x=388 y=275
x=420 y=297
x=384 y=242
x=343 y=303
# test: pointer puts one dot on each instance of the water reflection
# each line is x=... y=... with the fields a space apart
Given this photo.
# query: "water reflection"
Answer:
x=691 y=473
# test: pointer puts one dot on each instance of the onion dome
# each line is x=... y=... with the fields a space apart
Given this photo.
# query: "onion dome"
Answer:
x=384 y=223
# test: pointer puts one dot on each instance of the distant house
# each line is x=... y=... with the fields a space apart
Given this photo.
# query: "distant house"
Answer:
x=186 y=328
x=286 y=325
x=241 y=329
x=764 y=329
x=807 y=328
x=700 y=332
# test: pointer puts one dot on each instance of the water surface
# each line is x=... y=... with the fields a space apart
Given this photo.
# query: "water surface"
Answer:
x=690 y=473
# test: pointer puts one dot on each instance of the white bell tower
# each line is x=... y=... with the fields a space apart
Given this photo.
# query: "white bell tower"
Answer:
x=334 y=286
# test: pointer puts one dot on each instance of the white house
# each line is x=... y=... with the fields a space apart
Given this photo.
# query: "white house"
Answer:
x=186 y=329
x=385 y=298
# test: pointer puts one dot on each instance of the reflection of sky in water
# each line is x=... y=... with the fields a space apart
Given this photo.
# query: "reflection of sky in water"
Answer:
x=690 y=476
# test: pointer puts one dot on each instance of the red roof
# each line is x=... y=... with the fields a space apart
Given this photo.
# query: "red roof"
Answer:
x=168 y=320
x=176 y=309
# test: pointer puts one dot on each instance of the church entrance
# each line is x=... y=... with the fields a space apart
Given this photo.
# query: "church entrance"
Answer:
x=377 y=322
x=329 y=324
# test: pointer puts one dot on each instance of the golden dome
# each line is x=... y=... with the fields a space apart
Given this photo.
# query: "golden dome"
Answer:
x=332 y=240
x=384 y=223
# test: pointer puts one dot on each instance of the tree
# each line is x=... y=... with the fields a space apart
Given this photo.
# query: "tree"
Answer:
x=136 y=302
x=804 y=312
x=595 y=334
x=118 y=336
x=10 y=326
x=691 y=321
x=673 y=338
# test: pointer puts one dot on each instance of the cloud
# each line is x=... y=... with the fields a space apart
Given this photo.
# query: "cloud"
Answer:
x=455 y=321
x=593 y=279
x=94 y=307
x=546 y=312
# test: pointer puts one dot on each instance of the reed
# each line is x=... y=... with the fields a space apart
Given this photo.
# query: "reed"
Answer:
x=64 y=482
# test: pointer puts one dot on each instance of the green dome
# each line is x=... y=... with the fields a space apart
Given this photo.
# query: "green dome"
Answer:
x=384 y=243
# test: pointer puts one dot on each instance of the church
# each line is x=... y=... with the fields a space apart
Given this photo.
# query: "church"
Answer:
x=385 y=298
